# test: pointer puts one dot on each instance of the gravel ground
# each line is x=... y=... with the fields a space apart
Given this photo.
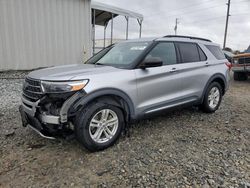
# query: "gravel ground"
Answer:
x=184 y=148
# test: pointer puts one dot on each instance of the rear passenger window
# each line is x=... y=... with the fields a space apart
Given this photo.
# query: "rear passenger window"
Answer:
x=188 y=52
x=216 y=51
x=165 y=51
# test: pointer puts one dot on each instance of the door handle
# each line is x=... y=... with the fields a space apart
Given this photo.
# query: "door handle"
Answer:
x=206 y=64
x=173 y=70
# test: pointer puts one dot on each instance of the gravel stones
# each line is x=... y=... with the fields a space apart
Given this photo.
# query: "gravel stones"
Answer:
x=183 y=148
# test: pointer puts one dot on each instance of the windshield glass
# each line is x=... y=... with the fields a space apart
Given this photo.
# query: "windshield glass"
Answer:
x=120 y=55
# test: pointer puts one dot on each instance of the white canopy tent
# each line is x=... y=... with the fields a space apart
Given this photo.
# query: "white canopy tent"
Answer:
x=102 y=14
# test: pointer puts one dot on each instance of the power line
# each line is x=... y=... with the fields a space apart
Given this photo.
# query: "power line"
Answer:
x=240 y=2
x=247 y=13
x=174 y=10
x=184 y=13
x=205 y=20
x=190 y=12
x=233 y=16
x=187 y=7
x=191 y=6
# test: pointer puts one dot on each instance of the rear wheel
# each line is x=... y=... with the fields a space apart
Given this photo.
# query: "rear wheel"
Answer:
x=212 y=98
x=99 y=125
x=240 y=76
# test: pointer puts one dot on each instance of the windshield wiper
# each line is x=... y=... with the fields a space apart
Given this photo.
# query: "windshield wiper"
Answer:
x=99 y=64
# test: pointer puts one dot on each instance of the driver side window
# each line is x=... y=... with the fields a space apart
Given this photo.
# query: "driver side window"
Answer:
x=165 y=51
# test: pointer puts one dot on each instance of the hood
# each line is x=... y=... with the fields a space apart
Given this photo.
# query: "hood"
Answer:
x=70 y=72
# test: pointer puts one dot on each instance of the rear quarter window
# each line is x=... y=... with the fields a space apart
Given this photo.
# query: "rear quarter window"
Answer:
x=203 y=56
x=216 y=51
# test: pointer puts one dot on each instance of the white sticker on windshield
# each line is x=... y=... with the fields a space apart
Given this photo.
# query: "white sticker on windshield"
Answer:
x=138 y=47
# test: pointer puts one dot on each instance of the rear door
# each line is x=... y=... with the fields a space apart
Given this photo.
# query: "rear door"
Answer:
x=194 y=70
x=158 y=87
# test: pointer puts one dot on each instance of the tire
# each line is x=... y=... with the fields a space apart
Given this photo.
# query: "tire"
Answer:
x=86 y=124
x=240 y=76
x=208 y=106
x=236 y=76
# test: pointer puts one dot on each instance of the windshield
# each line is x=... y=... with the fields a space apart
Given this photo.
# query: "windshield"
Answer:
x=119 y=55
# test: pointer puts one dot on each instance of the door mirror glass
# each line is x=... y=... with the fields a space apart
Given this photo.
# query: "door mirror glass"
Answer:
x=151 y=62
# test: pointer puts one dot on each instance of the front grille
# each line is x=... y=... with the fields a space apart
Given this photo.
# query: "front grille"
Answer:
x=32 y=89
x=244 y=60
x=247 y=60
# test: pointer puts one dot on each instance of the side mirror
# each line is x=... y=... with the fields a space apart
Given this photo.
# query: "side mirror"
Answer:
x=151 y=62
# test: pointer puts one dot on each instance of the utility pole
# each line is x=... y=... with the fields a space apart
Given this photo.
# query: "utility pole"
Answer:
x=176 y=26
x=228 y=14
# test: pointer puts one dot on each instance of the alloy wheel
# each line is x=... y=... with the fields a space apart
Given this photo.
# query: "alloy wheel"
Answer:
x=103 y=126
x=214 y=97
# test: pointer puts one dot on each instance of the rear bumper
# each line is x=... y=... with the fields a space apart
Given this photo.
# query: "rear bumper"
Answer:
x=243 y=68
x=238 y=69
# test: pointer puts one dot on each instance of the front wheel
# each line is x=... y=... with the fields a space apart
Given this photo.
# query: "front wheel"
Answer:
x=212 y=98
x=99 y=125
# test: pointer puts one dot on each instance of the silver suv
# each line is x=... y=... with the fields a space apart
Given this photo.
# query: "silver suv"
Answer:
x=124 y=82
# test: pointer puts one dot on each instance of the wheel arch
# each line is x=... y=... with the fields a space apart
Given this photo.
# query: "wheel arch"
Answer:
x=220 y=78
x=111 y=96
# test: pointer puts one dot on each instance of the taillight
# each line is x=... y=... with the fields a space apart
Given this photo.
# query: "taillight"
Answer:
x=229 y=65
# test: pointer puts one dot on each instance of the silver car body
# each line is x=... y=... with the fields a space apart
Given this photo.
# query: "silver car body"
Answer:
x=149 y=90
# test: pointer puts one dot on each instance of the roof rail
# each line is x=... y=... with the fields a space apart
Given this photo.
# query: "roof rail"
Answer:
x=189 y=37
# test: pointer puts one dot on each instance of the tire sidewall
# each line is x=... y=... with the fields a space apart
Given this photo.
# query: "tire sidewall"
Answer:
x=83 y=123
x=206 y=103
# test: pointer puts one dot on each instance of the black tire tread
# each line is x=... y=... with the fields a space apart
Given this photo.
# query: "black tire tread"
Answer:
x=240 y=76
x=204 y=106
x=83 y=118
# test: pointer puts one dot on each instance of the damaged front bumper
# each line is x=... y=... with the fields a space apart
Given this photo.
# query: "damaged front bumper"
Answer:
x=34 y=124
x=45 y=124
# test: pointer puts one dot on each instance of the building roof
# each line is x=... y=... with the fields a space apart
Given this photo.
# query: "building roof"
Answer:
x=103 y=13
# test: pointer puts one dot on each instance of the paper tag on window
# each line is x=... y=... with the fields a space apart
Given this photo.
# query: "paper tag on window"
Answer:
x=138 y=47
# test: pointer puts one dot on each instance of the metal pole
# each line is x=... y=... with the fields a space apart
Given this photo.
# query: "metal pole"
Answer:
x=176 y=26
x=225 y=34
x=93 y=30
x=104 y=40
x=127 y=18
x=112 y=20
x=140 y=30
x=140 y=24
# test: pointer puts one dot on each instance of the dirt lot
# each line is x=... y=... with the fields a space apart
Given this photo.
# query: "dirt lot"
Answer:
x=184 y=148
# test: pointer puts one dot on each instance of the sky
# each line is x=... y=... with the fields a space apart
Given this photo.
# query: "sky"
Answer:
x=201 y=18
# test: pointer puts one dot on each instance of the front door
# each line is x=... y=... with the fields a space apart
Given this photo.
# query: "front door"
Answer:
x=158 y=87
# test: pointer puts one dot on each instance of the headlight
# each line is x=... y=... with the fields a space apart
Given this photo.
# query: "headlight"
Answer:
x=57 y=87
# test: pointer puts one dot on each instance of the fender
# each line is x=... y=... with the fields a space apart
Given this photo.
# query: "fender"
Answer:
x=215 y=76
x=102 y=92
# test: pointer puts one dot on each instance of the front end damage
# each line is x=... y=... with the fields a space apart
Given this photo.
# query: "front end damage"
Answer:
x=50 y=115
